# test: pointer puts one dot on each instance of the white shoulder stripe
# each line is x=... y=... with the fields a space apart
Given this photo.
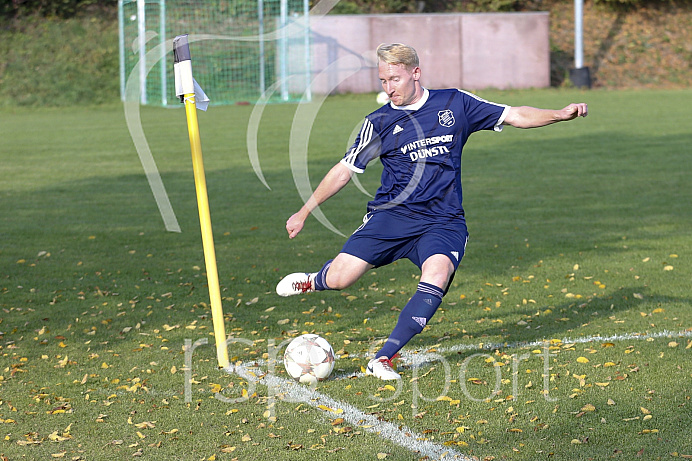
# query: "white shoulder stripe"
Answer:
x=475 y=96
x=365 y=138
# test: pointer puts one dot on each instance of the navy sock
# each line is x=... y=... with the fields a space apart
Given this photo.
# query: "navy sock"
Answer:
x=321 y=277
x=413 y=318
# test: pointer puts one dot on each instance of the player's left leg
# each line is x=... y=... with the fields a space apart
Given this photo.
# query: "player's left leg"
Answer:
x=422 y=306
x=438 y=253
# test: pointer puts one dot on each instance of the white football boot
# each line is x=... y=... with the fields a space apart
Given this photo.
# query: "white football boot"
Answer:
x=295 y=284
x=382 y=368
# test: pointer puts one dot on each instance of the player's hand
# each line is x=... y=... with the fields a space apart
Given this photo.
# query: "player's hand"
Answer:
x=294 y=225
x=575 y=110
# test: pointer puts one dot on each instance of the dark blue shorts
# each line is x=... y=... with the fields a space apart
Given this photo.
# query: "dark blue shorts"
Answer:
x=386 y=236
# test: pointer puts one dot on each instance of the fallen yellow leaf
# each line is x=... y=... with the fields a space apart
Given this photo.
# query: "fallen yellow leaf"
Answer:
x=146 y=425
x=333 y=410
x=54 y=437
x=215 y=388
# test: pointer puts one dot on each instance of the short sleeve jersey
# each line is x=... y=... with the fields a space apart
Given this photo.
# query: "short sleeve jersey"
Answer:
x=420 y=149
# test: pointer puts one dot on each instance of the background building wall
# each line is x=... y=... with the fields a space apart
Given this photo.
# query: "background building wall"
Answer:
x=463 y=50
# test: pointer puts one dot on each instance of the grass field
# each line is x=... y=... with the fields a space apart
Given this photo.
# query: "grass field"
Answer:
x=566 y=335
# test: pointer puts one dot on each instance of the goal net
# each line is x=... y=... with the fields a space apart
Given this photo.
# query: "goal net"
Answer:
x=242 y=50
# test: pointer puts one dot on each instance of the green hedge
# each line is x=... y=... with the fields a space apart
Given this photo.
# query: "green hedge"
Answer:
x=52 y=8
x=60 y=62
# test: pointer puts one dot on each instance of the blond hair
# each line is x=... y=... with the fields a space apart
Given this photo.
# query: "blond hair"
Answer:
x=398 y=53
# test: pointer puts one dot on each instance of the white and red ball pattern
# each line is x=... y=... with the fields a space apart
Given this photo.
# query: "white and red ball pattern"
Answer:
x=309 y=358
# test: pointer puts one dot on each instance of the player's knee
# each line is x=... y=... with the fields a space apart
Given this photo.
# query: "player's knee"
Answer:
x=344 y=271
x=338 y=281
x=438 y=270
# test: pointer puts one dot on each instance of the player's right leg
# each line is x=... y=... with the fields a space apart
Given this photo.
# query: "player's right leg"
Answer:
x=337 y=274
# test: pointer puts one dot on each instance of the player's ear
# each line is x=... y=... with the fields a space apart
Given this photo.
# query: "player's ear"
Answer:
x=416 y=73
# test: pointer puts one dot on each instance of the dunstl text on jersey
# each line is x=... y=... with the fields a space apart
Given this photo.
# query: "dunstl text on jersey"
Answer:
x=427 y=152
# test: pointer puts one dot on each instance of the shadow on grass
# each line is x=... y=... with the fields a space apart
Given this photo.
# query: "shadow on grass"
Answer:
x=573 y=319
x=101 y=230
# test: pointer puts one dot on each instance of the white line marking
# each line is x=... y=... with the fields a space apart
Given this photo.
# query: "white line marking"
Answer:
x=417 y=357
x=404 y=437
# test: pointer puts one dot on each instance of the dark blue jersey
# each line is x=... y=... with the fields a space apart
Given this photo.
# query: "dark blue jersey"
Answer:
x=420 y=148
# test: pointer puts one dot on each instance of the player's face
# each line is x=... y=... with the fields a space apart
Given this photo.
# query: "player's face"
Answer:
x=400 y=83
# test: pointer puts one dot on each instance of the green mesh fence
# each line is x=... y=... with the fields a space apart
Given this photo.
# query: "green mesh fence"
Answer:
x=242 y=50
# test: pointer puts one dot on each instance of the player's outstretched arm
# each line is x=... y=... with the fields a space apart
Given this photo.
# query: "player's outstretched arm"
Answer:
x=532 y=117
x=333 y=182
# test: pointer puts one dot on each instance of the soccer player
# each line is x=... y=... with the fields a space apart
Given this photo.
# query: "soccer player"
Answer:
x=417 y=212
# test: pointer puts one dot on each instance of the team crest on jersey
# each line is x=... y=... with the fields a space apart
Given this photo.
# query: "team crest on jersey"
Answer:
x=446 y=118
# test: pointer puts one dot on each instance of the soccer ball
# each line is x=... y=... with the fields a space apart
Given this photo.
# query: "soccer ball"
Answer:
x=309 y=358
x=382 y=98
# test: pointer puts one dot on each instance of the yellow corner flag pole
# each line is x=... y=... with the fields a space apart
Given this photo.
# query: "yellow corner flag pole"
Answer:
x=185 y=87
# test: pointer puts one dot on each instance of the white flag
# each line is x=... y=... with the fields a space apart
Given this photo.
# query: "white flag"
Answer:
x=201 y=98
x=183 y=74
